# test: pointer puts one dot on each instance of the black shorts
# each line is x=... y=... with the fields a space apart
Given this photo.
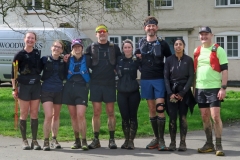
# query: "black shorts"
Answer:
x=55 y=97
x=207 y=98
x=104 y=94
x=28 y=92
x=75 y=94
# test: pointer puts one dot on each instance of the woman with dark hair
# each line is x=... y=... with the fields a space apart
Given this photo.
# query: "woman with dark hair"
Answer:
x=75 y=92
x=178 y=76
x=51 y=94
x=29 y=88
x=128 y=96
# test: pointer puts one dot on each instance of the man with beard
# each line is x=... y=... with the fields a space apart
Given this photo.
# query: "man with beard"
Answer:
x=152 y=50
x=102 y=86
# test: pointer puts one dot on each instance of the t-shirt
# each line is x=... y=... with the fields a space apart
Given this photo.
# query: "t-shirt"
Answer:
x=104 y=72
x=206 y=77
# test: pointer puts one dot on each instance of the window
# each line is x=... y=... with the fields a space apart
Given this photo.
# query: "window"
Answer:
x=37 y=4
x=119 y=39
x=231 y=3
x=230 y=44
x=163 y=4
x=113 y=4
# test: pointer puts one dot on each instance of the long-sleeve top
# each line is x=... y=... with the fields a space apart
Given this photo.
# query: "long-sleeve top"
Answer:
x=178 y=71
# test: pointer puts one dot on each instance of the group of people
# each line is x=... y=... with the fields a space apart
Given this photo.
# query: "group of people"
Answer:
x=166 y=85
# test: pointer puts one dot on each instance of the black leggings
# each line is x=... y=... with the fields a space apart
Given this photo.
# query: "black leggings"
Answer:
x=128 y=105
x=180 y=108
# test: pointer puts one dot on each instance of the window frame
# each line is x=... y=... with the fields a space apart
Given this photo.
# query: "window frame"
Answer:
x=225 y=35
x=163 y=7
x=36 y=10
x=112 y=9
x=120 y=39
x=226 y=6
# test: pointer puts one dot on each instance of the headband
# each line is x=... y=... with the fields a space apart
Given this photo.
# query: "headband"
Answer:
x=151 y=21
x=101 y=27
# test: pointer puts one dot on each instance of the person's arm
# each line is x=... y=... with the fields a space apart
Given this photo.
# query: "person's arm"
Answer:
x=166 y=52
x=17 y=57
x=188 y=85
x=167 y=76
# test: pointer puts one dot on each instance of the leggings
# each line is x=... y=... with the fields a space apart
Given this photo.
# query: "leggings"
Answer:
x=128 y=105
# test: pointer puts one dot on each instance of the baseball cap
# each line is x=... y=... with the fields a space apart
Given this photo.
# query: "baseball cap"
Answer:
x=205 y=29
x=76 y=41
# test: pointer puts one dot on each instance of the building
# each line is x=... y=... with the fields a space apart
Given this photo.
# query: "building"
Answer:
x=177 y=18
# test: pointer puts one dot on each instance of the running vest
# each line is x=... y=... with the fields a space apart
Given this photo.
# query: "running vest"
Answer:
x=83 y=70
x=110 y=52
x=155 y=50
x=129 y=68
x=31 y=64
x=214 y=61
x=49 y=69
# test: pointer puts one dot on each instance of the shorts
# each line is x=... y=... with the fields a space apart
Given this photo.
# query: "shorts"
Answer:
x=104 y=94
x=153 y=89
x=28 y=92
x=55 y=97
x=75 y=94
x=207 y=98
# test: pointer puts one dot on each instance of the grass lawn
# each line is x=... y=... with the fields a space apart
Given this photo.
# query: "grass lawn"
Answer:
x=229 y=111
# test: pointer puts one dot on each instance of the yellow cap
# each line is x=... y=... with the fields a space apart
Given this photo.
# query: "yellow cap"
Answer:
x=101 y=26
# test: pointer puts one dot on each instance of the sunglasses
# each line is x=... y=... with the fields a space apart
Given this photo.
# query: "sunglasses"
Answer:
x=102 y=31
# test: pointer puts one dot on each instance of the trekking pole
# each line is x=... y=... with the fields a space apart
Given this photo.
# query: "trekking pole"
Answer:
x=15 y=70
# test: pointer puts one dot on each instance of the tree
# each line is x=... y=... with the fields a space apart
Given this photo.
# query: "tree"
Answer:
x=66 y=13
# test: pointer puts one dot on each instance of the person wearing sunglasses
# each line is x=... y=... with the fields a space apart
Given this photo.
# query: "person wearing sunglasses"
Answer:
x=102 y=87
x=51 y=94
x=75 y=92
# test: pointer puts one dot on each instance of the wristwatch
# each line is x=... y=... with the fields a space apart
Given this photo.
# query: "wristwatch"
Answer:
x=224 y=87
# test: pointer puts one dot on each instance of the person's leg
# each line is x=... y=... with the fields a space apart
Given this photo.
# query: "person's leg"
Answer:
x=24 y=107
x=161 y=120
x=55 y=125
x=34 y=106
x=73 y=114
x=183 y=109
x=81 y=110
x=48 y=111
x=134 y=100
x=215 y=113
x=124 y=111
x=173 y=110
x=111 y=124
x=207 y=126
x=97 y=110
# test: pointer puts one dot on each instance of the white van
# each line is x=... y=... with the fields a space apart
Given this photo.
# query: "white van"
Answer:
x=11 y=42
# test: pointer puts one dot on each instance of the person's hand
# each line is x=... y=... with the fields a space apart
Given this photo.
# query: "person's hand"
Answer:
x=221 y=94
x=173 y=98
x=180 y=98
x=65 y=58
x=139 y=56
x=14 y=94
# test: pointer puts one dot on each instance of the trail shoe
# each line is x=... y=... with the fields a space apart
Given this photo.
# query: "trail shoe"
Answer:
x=125 y=144
x=162 y=146
x=95 y=144
x=182 y=146
x=172 y=146
x=84 y=145
x=35 y=145
x=76 y=145
x=46 y=146
x=131 y=144
x=208 y=147
x=153 y=144
x=112 y=144
x=25 y=145
x=219 y=150
x=55 y=144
